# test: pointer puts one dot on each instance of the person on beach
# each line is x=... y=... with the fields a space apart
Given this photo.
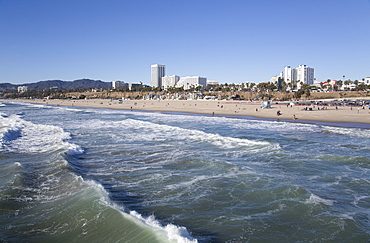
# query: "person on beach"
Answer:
x=294 y=117
x=278 y=113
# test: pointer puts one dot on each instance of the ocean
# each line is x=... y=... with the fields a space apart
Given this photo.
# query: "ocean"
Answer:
x=70 y=174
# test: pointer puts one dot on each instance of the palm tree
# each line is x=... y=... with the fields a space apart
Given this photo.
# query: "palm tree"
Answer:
x=340 y=83
x=284 y=85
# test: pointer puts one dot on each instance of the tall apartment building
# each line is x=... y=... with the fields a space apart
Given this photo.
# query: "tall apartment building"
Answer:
x=300 y=74
x=157 y=72
x=289 y=74
x=169 y=81
x=305 y=74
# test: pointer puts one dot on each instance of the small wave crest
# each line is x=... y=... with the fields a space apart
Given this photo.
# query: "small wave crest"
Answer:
x=177 y=233
x=74 y=149
x=353 y=132
x=314 y=199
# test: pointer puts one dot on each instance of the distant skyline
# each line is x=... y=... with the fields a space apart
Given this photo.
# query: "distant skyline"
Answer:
x=227 y=41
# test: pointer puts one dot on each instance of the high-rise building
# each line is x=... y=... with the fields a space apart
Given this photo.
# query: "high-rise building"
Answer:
x=301 y=74
x=289 y=74
x=305 y=74
x=157 y=72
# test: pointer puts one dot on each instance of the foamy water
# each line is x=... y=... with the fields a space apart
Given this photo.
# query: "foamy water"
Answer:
x=94 y=175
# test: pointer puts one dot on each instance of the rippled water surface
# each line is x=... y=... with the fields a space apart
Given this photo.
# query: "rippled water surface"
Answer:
x=94 y=175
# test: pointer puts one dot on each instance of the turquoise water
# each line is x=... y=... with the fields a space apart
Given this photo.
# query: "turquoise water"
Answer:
x=94 y=175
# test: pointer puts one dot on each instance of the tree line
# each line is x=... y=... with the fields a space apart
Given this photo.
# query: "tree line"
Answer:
x=282 y=87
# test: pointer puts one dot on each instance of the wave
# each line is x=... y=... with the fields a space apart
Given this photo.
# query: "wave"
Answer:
x=352 y=132
x=163 y=233
x=18 y=135
x=314 y=199
x=55 y=186
x=177 y=233
x=159 y=132
x=267 y=125
x=170 y=135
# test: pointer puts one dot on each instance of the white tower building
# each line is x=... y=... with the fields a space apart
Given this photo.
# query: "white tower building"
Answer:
x=289 y=74
x=157 y=72
x=305 y=74
x=301 y=74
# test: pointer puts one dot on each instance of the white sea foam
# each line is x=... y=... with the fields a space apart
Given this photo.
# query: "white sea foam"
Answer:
x=148 y=131
x=358 y=199
x=162 y=132
x=314 y=199
x=74 y=149
x=271 y=125
x=353 y=132
x=18 y=164
x=177 y=233
x=26 y=137
x=190 y=183
x=34 y=105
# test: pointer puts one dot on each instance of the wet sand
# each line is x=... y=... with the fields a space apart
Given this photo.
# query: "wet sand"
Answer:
x=330 y=114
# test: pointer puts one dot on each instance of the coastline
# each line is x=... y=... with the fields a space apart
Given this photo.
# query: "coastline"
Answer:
x=225 y=108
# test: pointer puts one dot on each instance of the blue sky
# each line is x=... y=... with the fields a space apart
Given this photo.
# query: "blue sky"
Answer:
x=230 y=41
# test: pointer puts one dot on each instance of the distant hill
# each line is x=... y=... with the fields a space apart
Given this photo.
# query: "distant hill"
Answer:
x=7 y=87
x=59 y=84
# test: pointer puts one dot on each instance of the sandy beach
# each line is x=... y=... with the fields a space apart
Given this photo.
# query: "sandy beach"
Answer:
x=341 y=114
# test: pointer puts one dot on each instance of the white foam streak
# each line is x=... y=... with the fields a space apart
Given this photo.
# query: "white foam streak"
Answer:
x=353 y=132
x=18 y=164
x=179 y=234
x=314 y=199
x=158 y=132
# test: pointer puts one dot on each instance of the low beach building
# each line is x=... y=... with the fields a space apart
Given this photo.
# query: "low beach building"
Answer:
x=22 y=89
x=118 y=84
x=169 y=81
x=191 y=82
x=366 y=81
x=135 y=86
x=212 y=82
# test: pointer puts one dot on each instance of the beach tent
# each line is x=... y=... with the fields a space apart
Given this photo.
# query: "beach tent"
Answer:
x=266 y=104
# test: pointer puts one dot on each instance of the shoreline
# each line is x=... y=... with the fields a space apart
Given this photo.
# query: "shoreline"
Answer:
x=240 y=108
